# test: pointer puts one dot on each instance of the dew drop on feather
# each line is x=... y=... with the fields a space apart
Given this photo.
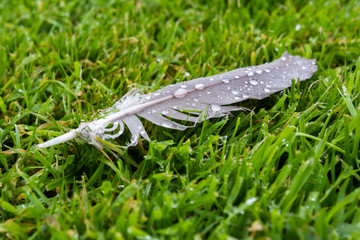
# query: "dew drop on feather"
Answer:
x=183 y=85
x=267 y=70
x=254 y=81
x=166 y=124
x=235 y=91
x=225 y=80
x=165 y=112
x=199 y=86
x=215 y=107
x=179 y=93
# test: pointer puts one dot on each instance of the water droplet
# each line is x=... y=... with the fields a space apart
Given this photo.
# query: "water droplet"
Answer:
x=237 y=98
x=208 y=92
x=165 y=112
x=199 y=86
x=166 y=124
x=303 y=67
x=193 y=104
x=283 y=58
x=183 y=85
x=267 y=89
x=196 y=99
x=235 y=91
x=180 y=93
x=215 y=107
x=250 y=74
x=225 y=80
x=245 y=95
x=139 y=127
x=297 y=27
x=259 y=71
x=236 y=76
x=156 y=93
x=254 y=81
x=175 y=107
x=211 y=79
x=148 y=97
x=153 y=111
x=250 y=201
x=267 y=70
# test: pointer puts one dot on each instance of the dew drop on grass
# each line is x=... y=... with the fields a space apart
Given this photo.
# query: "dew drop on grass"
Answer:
x=250 y=201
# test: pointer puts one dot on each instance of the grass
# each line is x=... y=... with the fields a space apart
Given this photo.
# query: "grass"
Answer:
x=287 y=170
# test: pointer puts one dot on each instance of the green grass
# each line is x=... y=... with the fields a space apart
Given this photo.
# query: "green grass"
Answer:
x=287 y=170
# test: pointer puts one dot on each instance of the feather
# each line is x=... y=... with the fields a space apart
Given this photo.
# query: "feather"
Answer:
x=192 y=101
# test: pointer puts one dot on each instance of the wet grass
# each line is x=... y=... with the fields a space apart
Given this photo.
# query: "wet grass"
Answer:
x=289 y=169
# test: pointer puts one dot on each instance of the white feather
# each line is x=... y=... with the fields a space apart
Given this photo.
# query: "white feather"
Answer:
x=205 y=97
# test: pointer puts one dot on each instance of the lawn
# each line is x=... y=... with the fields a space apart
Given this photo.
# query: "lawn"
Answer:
x=287 y=169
